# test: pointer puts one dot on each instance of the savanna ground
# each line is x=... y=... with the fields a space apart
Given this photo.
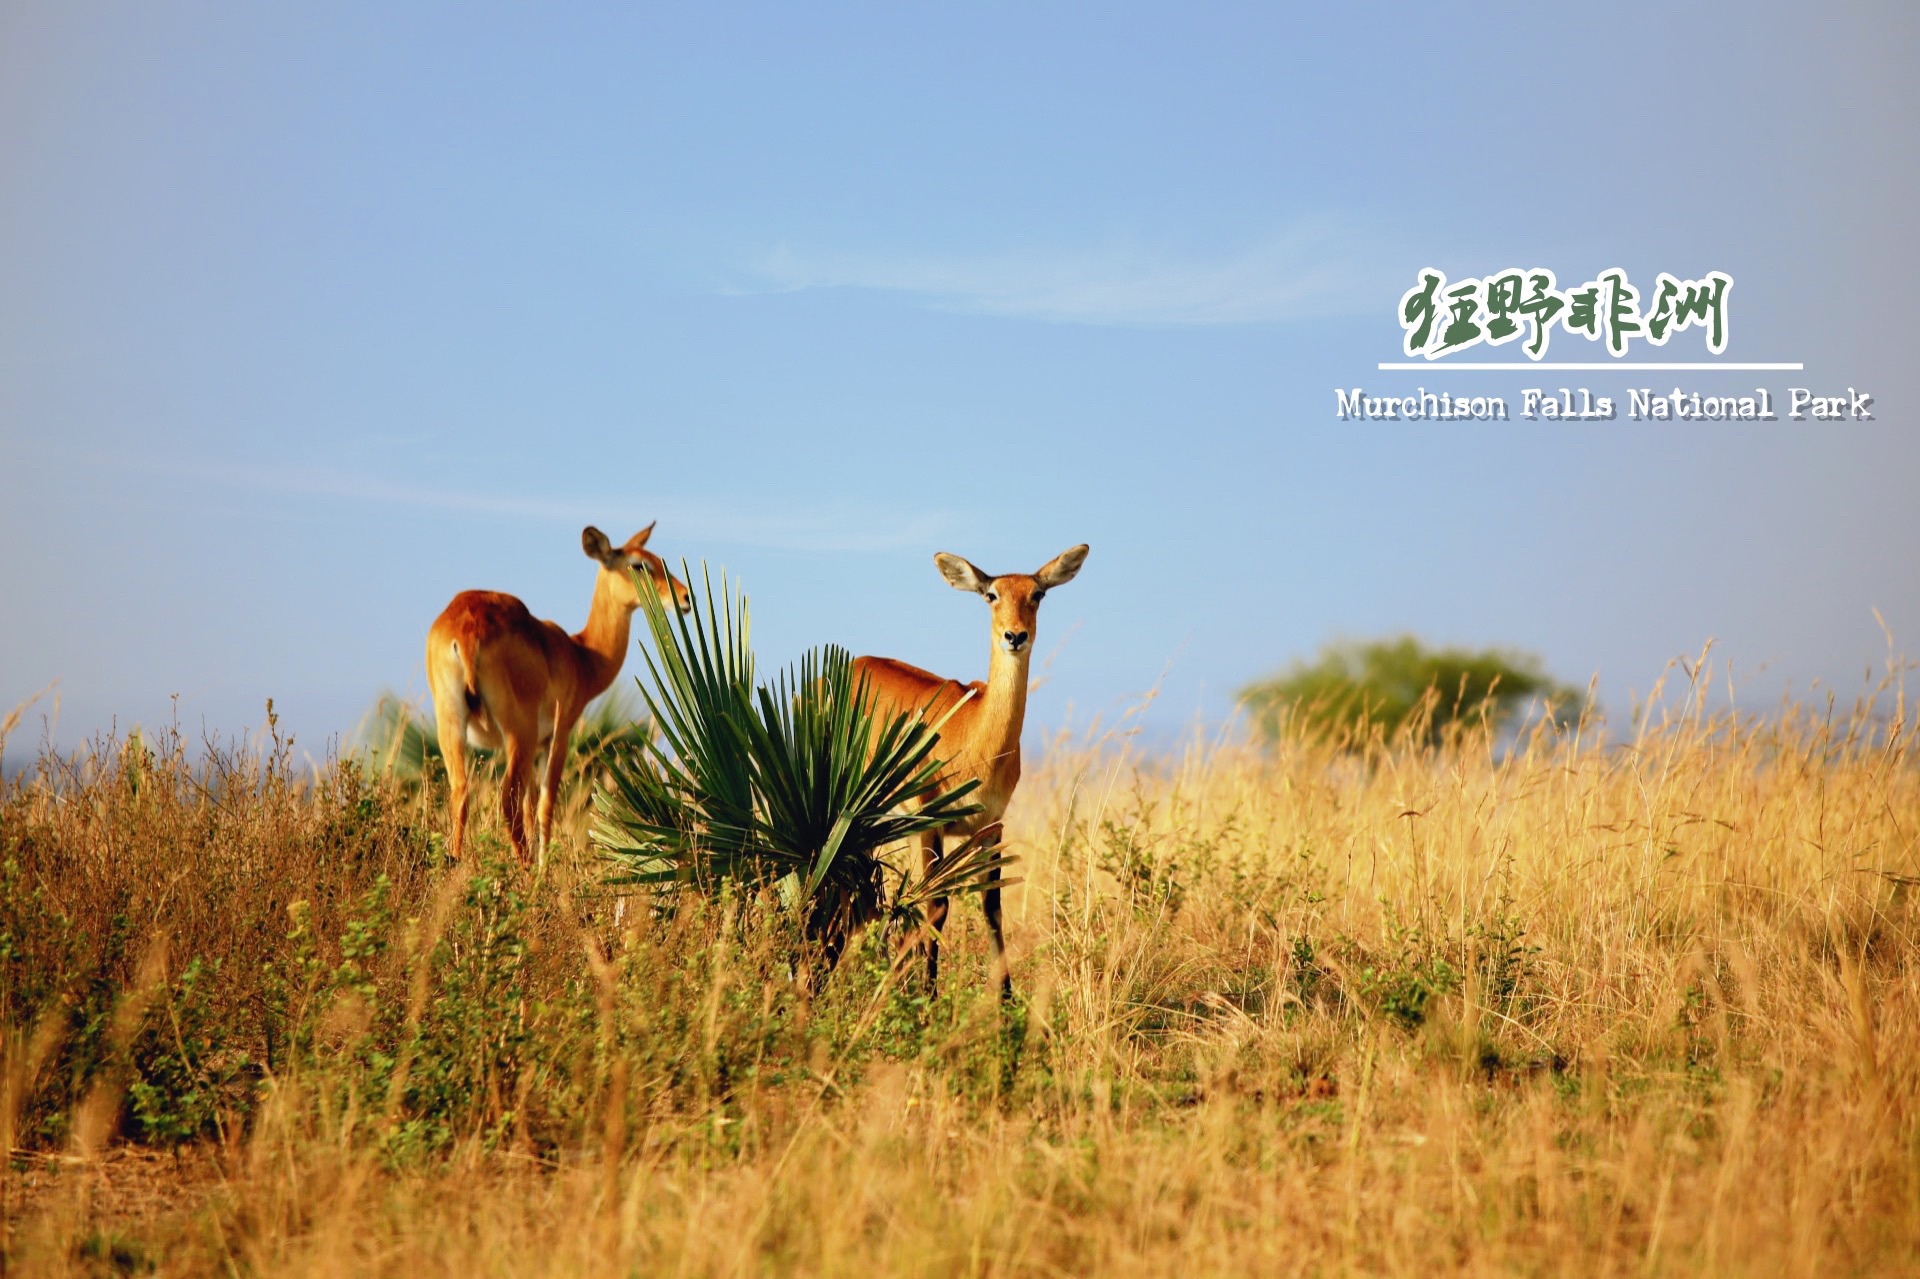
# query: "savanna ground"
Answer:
x=1633 y=1004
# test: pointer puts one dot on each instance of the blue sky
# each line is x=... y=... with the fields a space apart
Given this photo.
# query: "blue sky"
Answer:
x=313 y=315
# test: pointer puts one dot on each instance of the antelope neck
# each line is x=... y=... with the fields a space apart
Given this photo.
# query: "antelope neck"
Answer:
x=603 y=641
x=1005 y=708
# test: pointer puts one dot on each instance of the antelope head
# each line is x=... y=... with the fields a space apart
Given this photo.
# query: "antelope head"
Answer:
x=1014 y=597
x=628 y=563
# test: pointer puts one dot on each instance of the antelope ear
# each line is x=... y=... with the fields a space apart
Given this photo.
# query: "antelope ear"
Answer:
x=960 y=575
x=639 y=539
x=1060 y=569
x=595 y=544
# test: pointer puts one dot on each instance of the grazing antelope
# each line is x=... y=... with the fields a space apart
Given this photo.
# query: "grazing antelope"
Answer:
x=982 y=739
x=502 y=678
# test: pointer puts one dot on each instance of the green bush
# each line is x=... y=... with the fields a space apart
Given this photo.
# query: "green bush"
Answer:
x=1400 y=686
x=794 y=786
x=398 y=740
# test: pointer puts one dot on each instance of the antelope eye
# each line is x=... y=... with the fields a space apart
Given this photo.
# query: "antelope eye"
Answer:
x=992 y=598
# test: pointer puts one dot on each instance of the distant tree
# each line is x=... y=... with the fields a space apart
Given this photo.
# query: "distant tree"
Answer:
x=1400 y=684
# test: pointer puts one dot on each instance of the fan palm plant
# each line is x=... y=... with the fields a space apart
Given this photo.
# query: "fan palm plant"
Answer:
x=797 y=785
x=398 y=740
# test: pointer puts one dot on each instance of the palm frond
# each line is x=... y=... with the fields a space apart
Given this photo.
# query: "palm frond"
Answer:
x=398 y=739
x=973 y=867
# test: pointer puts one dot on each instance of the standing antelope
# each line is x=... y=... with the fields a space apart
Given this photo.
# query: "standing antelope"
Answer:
x=501 y=677
x=982 y=739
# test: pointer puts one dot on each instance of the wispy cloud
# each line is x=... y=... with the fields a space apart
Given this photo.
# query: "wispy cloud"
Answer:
x=1315 y=268
x=704 y=520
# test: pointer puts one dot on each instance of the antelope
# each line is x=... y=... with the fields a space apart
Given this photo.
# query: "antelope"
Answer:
x=982 y=737
x=502 y=678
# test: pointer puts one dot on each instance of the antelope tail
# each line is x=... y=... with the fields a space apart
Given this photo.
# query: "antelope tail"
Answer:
x=472 y=686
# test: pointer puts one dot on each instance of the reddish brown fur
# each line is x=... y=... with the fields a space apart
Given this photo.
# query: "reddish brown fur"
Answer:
x=982 y=739
x=503 y=679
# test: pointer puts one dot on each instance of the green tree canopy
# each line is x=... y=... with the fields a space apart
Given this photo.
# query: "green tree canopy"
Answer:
x=1399 y=684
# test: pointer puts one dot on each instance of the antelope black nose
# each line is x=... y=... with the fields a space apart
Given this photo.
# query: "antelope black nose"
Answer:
x=1014 y=638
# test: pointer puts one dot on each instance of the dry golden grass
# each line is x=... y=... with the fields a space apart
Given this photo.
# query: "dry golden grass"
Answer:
x=1588 y=1006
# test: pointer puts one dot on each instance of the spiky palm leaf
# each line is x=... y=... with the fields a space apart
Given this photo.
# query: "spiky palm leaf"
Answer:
x=800 y=783
x=398 y=740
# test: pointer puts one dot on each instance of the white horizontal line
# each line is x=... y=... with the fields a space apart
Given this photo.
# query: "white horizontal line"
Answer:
x=1608 y=366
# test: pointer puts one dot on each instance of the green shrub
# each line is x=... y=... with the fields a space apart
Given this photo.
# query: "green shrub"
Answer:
x=1399 y=685
x=795 y=786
